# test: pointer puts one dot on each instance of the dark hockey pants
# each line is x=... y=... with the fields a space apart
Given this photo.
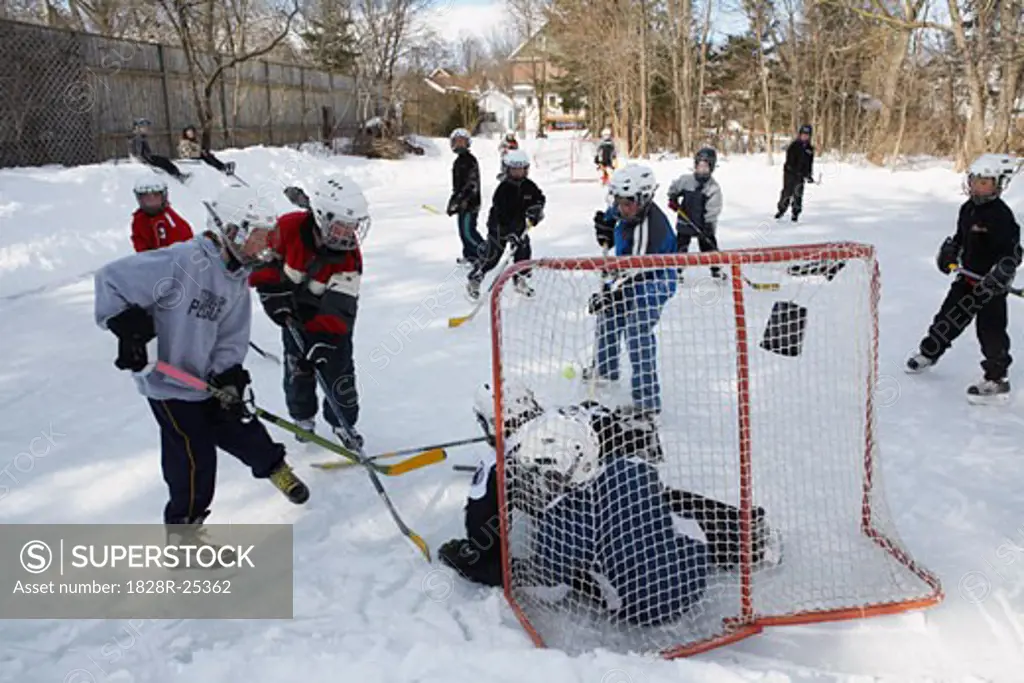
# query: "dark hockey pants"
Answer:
x=190 y=433
x=213 y=161
x=966 y=302
x=473 y=246
x=792 y=191
x=164 y=164
x=496 y=246
x=339 y=373
x=707 y=240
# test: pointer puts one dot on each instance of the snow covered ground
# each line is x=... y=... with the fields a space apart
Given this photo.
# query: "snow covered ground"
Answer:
x=366 y=607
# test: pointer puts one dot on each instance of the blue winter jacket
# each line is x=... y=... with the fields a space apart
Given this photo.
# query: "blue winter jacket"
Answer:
x=201 y=311
x=618 y=531
x=652 y=234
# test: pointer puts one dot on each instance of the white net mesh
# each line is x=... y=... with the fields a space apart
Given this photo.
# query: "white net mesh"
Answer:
x=737 y=480
x=581 y=161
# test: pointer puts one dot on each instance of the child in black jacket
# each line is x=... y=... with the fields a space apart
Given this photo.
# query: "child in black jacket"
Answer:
x=985 y=251
x=465 y=199
x=799 y=168
x=516 y=202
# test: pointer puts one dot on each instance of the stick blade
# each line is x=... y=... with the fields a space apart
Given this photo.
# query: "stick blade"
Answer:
x=456 y=322
x=423 y=459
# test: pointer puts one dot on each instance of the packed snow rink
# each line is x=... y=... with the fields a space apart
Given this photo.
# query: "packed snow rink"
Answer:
x=78 y=443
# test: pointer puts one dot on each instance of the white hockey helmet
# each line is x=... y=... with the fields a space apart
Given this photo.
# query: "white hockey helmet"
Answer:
x=146 y=186
x=519 y=404
x=998 y=167
x=244 y=220
x=517 y=158
x=557 y=451
x=341 y=213
x=606 y=133
x=635 y=182
x=460 y=134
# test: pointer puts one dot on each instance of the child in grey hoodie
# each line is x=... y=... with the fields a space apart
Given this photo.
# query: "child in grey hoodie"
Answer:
x=193 y=297
x=696 y=199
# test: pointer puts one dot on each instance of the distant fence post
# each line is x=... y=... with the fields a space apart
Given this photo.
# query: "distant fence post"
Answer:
x=302 y=94
x=167 y=98
x=270 y=103
x=224 y=110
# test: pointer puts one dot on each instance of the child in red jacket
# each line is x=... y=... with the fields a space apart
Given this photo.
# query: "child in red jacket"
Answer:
x=155 y=224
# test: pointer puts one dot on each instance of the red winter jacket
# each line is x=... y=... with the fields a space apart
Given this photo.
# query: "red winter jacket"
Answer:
x=162 y=230
x=326 y=282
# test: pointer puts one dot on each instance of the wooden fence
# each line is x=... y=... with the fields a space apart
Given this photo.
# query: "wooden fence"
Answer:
x=70 y=98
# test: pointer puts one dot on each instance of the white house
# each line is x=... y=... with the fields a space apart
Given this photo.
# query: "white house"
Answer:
x=497 y=108
x=532 y=66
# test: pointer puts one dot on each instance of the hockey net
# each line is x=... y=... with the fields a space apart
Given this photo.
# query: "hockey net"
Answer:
x=581 y=161
x=769 y=418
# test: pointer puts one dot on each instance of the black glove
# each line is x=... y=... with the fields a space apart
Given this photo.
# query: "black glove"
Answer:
x=454 y=206
x=279 y=305
x=810 y=179
x=608 y=297
x=999 y=278
x=316 y=354
x=229 y=168
x=297 y=196
x=605 y=230
x=517 y=240
x=133 y=328
x=949 y=255
x=233 y=382
x=535 y=214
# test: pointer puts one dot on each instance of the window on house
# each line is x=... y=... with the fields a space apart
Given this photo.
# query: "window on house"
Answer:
x=529 y=101
x=552 y=100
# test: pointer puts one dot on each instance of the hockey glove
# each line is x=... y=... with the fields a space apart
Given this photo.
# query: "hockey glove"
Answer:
x=604 y=229
x=949 y=255
x=999 y=278
x=611 y=295
x=453 y=206
x=316 y=355
x=233 y=382
x=133 y=328
x=517 y=241
x=279 y=304
x=535 y=214
x=673 y=203
x=297 y=196
x=810 y=179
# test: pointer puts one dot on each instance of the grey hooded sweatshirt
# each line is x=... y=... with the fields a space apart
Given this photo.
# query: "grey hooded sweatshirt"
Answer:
x=202 y=312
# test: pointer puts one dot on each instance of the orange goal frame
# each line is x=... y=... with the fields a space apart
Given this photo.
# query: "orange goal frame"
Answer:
x=748 y=623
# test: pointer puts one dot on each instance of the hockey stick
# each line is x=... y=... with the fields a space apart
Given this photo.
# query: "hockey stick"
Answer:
x=332 y=402
x=342 y=464
x=461 y=320
x=189 y=380
x=431 y=209
x=266 y=354
x=1009 y=290
x=703 y=238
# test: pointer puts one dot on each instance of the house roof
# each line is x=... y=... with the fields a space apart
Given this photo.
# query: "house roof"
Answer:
x=444 y=81
x=519 y=48
x=491 y=90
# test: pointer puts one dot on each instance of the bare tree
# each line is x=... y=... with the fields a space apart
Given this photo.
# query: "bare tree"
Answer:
x=529 y=18
x=390 y=32
x=216 y=37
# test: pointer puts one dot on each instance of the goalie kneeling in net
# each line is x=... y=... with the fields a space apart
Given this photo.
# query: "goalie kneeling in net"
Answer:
x=602 y=520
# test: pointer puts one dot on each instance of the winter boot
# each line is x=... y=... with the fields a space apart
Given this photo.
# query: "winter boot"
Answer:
x=780 y=214
x=523 y=287
x=918 y=363
x=718 y=274
x=349 y=438
x=186 y=539
x=308 y=425
x=795 y=217
x=989 y=391
x=289 y=484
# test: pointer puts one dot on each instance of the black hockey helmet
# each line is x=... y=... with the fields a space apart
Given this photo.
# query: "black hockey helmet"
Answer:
x=706 y=154
x=806 y=129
